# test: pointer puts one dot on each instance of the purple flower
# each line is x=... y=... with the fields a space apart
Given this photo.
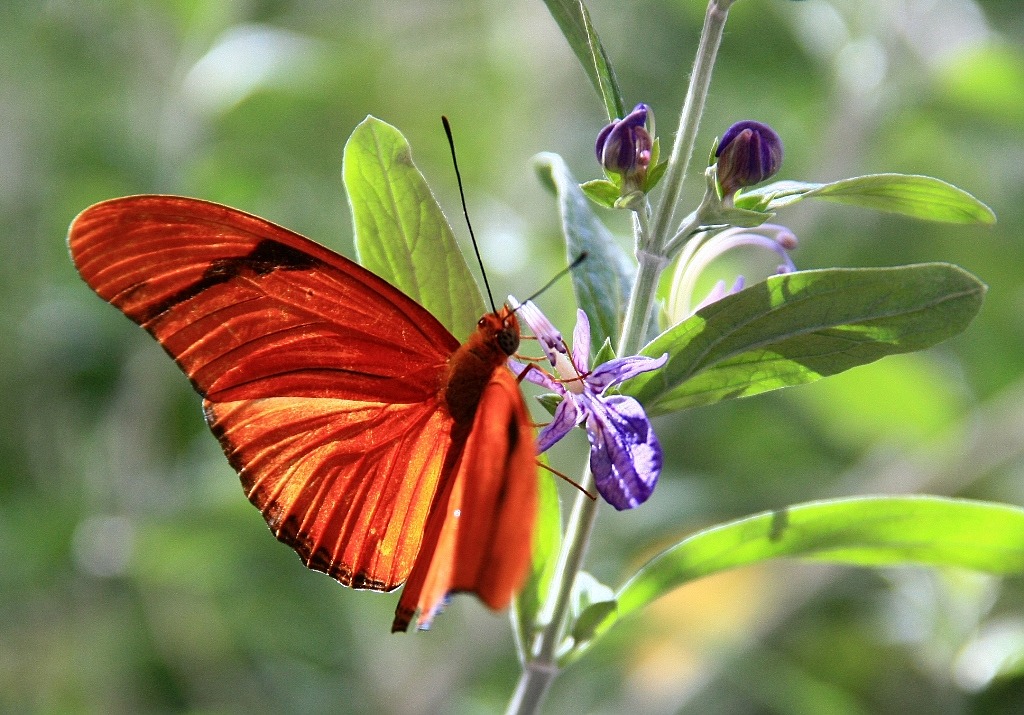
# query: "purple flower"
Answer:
x=625 y=456
x=749 y=153
x=624 y=146
x=700 y=252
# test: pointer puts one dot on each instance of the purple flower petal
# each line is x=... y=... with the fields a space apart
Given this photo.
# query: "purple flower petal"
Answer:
x=620 y=143
x=537 y=377
x=749 y=153
x=566 y=417
x=714 y=295
x=638 y=117
x=619 y=151
x=621 y=369
x=770 y=237
x=581 y=342
x=547 y=334
x=602 y=138
x=625 y=456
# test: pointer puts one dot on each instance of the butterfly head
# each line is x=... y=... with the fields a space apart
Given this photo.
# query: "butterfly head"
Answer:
x=501 y=328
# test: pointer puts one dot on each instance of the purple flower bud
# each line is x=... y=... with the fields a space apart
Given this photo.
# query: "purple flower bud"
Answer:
x=749 y=153
x=624 y=146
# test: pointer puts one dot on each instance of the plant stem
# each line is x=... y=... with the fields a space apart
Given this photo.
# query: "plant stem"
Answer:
x=542 y=668
x=689 y=119
x=641 y=300
x=652 y=247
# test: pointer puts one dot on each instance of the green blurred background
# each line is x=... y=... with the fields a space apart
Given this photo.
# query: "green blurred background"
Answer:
x=135 y=576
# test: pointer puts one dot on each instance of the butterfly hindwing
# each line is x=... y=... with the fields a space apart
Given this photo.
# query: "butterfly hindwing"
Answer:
x=347 y=484
x=479 y=538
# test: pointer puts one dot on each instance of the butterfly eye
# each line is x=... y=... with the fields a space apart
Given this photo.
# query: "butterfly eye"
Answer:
x=508 y=340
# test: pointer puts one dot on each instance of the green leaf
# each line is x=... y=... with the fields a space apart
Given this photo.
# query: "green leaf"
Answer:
x=777 y=194
x=603 y=281
x=593 y=617
x=798 y=327
x=744 y=218
x=654 y=175
x=593 y=602
x=401 y=233
x=603 y=355
x=633 y=201
x=601 y=192
x=547 y=537
x=864 y=531
x=655 y=155
x=550 y=401
x=574 y=21
x=587 y=591
x=921 y=197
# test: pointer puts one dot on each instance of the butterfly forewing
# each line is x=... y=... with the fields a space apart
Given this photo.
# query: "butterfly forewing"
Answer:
x=249 y=309
x=320 y=379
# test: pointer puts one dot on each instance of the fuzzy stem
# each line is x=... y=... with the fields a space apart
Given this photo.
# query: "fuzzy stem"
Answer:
x=652 y=247
x=541 y=670
x=693 y=107
x=641 y=301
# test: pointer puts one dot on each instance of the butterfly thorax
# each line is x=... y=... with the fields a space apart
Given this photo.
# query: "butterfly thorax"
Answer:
x=470 y=367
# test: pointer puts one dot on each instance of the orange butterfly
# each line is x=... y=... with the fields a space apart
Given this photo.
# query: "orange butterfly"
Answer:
x=374 y=444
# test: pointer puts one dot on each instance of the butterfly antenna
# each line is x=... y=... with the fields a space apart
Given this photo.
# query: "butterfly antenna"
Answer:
x=579 y=259
x=465 y=211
